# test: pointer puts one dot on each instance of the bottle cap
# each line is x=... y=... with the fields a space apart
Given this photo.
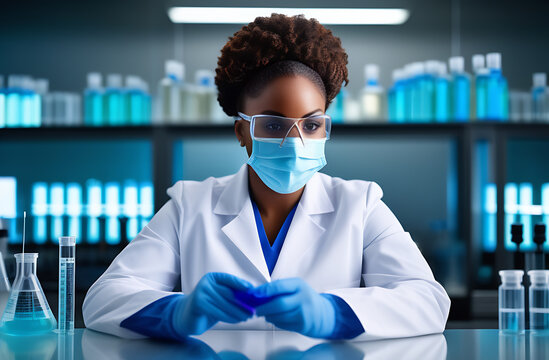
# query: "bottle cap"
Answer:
x=511 y=276
x=3 y=233
x=371 y=72
x=539 y=80
x=457 y=64
x=493 y=60
x=204 y=78
x=431 y=67
x=174 y=68
x=442 y=69
x=133 y=82
x=539 y=276
x=16 y=81
x=398 y=74
x=539 y=234
x=41 y=86
x=114 y=81
x=478 y=62
x=94 y=80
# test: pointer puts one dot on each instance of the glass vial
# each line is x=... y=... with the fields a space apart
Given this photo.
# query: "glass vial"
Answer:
x=539 y=300
x=511 y=301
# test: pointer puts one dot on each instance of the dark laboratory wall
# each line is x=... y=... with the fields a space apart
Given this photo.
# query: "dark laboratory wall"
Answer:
x=63 y=40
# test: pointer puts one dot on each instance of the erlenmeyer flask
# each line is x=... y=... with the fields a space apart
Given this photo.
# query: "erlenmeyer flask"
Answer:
x=4 y=284
x=27 y=311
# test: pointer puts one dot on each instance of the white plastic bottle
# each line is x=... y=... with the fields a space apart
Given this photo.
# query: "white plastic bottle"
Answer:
x=372 y=96
x=539 y=98
x=205 y=95
x=169 y=107
x=511 y=301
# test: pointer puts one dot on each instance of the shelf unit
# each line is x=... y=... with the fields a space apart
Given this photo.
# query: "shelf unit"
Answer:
x=466 y=136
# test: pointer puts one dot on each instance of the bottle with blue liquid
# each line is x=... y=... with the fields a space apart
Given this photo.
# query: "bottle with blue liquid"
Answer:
x=460 y=90
x=372 y=96
x=539 y=96
x=442 y=94
x=479 y=94
x=136 y=101
x=497 y=92
x=416 y=72
x=2 y=103
x=93 y=101
x=511 y=302
x=428 y=90
x=113 y=101
x=13 y=105
x=337 y=107
x=397 y=97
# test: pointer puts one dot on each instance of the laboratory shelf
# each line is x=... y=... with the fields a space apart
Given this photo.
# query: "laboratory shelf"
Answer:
x=465 y=136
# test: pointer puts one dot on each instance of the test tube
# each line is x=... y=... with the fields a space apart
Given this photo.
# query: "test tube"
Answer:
x=539 y=300
x=67 y=247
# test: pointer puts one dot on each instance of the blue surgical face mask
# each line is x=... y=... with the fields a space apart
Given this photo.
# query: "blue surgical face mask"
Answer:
x=287 y=168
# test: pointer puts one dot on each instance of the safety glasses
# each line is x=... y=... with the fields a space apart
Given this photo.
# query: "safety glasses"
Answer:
x=279 y=127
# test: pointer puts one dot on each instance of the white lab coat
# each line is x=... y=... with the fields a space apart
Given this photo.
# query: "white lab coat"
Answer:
x=343 y=240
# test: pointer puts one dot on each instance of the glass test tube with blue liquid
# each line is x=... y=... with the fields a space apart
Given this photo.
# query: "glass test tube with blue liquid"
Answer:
x=67 y=247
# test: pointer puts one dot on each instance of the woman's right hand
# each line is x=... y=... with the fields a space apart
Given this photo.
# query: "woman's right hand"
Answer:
x=212 y=300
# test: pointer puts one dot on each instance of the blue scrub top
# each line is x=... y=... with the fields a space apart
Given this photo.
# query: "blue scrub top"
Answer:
x=271 y=253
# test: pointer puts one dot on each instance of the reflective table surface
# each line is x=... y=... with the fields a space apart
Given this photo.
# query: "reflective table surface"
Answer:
x=272 y=345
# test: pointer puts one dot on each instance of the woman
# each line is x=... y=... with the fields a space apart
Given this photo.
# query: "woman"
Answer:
x=276 y=245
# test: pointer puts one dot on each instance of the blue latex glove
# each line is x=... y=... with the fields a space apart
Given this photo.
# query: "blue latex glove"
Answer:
x=297 y=307
x=212 y=300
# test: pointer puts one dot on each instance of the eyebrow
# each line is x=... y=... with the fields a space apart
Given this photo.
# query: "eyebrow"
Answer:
x=272 y=112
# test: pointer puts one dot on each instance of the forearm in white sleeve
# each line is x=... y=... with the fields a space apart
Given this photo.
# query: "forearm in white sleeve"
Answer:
x=145 y=271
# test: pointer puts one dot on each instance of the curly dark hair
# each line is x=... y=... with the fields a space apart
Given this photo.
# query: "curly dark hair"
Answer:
x=270 y=47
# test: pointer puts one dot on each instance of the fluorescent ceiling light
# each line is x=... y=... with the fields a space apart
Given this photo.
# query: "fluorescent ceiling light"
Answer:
x=244 y=15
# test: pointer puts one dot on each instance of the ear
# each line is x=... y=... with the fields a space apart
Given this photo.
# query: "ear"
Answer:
x=239 y=132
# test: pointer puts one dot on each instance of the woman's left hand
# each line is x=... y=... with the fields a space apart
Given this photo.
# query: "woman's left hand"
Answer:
x=297 y=307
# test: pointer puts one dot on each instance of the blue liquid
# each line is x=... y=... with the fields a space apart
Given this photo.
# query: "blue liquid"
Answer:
x=136 y=107
x=93 y=108
x=539 y=320
x=460 y=95
x=2 y=109
x=391 y=104
x=13 y=108
x=427 y=98
x=511 y=320
x=147 y=109
x=481 y=99
x=442 y=104
x=27 y=108
x=414 y=95
x=497 y=96
x=336 y=108
x=113 y=107
x=400 y=102
x=25 y=314
x=36 y=110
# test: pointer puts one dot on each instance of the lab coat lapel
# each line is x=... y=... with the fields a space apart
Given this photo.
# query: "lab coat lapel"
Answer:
x=304 y=232
x=241 y=230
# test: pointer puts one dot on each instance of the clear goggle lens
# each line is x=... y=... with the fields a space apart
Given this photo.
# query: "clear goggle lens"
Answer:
x=278 y=127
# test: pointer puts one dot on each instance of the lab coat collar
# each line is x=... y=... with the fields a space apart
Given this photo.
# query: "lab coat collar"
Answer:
x=242 y=230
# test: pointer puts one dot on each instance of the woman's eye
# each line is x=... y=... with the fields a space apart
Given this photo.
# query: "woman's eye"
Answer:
x=273 y=127
x=311 y=126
